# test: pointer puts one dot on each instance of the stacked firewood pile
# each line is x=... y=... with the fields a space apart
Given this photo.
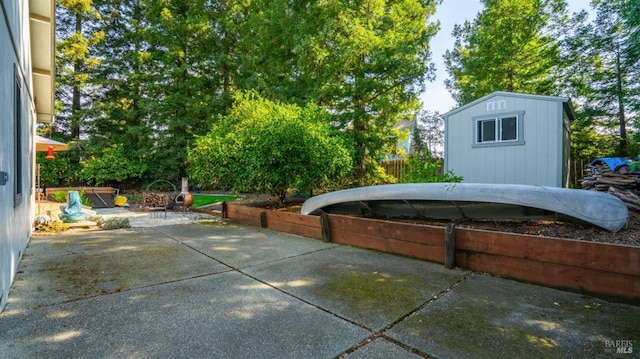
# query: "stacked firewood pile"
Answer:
x=620 y=183
x=156 y=199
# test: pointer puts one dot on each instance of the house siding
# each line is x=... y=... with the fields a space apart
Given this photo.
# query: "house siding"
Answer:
x=15 y=217
x=541 y=159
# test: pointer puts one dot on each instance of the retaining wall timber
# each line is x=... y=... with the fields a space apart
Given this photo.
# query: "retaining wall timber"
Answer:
x=604 y=270
x=307 y=226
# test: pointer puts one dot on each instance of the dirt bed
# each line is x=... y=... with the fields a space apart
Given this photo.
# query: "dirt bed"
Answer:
x=630 y=235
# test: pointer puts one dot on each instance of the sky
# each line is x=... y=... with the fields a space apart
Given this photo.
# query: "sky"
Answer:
x=451 y=12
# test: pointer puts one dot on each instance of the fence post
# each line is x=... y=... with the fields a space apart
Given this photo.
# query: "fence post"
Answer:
x=450 y=246
x=263 y=219
x=324 y=226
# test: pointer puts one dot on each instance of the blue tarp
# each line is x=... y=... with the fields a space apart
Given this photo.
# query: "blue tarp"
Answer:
x=613 y=162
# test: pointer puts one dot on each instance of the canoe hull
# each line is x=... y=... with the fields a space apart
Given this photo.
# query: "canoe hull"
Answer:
x=474 y=201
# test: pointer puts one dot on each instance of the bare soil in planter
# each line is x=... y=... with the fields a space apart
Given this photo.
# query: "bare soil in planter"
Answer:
x=629 y=235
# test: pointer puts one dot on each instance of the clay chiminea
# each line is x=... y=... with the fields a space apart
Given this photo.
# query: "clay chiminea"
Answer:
x=185 y=197
x=188 y=200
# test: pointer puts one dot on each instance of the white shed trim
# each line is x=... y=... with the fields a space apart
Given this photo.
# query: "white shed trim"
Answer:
x=517 y=95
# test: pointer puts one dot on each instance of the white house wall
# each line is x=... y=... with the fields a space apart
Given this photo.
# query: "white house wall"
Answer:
x=536 y=162
x=15 y=219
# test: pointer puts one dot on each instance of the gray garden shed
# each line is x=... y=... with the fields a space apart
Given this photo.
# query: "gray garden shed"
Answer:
x=508 y=137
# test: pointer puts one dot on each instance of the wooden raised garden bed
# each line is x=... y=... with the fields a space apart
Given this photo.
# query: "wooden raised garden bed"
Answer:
x=604 y=270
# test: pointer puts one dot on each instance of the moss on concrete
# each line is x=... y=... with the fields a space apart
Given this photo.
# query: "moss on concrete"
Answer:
x=363 y=293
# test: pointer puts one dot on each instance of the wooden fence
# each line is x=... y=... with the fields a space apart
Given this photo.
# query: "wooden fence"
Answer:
x=577 y=172
x=394 y=168
x=604 y=270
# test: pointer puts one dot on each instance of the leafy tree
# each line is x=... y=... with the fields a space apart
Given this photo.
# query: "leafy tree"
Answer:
x=264 y=48
x=158 y=83
x=586 y=143
x=114 y=165
x=179 y=34
x=228 y=55
x=62 y=171
x=120 y=114
x=378 y=61
x=429 y=134
x=168 y=68
x=366 y=61
x=631 y=14
x=74 y=60
x=631 y=17
x=264 y=146
x=421 y=166
x=604 y=78
x=510 y=46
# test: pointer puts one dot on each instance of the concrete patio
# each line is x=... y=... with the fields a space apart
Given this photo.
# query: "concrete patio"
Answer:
x=218 y=289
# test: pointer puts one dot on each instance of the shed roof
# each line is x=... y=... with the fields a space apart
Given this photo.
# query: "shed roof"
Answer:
x=565 y=100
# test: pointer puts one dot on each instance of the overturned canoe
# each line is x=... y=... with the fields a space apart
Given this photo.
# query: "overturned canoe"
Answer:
x=474 y=201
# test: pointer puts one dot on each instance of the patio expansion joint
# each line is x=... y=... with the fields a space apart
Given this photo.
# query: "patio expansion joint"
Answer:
x=232 y=266
x=381 y=333
x=290 y=257
x=243 y=273
x=374 y=333
x=334 y=314
x=133 y=289
x=430 y=301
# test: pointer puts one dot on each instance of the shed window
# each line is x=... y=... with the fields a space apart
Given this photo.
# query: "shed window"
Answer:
x=487 y=130
x=503 y=129
x=508 y=128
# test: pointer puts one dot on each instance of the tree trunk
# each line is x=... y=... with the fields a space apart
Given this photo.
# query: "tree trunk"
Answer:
x=621 y=116
x=75 y=101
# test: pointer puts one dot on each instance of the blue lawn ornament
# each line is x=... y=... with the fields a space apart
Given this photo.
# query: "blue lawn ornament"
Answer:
x=73 y=211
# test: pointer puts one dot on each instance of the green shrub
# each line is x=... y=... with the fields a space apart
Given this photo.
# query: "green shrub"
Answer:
x=116 y=223
x=422 y=168
x=61 y=197
x=268 y=147
x=114 y=163
x=374 y=174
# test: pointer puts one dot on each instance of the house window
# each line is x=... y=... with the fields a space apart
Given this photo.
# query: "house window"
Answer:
x=17 y=114
x=500 y=130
